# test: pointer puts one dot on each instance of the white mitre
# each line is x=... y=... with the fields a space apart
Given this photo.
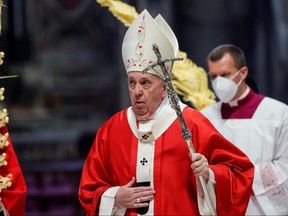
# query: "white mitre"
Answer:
x=137 y=52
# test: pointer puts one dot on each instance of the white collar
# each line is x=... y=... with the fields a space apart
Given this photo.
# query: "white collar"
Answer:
x=163 y=117
x=235 y=102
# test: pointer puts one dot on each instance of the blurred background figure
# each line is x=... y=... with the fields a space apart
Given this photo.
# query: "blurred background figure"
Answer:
x=258 y=125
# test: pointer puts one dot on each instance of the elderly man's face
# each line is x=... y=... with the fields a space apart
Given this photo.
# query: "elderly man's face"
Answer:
x=146 y=93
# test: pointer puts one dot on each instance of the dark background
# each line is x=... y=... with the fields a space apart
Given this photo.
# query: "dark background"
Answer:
x=67 y=55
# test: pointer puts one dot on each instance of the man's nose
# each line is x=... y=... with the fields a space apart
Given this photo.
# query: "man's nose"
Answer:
x=139 y=89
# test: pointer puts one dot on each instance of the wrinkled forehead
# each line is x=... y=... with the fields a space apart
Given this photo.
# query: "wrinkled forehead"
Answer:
x=140 y=74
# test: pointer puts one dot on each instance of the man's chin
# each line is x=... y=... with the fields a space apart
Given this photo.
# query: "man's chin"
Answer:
x=139 y=109
x=140 y=115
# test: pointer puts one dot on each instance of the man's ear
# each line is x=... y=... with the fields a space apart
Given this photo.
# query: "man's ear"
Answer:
x=164 y=93
x=244 y=72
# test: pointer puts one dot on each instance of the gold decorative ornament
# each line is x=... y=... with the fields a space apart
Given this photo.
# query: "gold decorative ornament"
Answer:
x=1 y=5
x=4 y=119
x=1 y=53
x=3 y=162
x=122 y=11
x=5 y=182
x=1 y=94
x=4 y=140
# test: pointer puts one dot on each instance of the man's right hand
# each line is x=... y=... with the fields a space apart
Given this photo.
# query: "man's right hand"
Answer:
x=129 y=196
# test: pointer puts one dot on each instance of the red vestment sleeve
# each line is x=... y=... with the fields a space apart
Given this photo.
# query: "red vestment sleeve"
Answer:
x=94 y=176
x=233 y=170
x=108 y=163
x=14 y=197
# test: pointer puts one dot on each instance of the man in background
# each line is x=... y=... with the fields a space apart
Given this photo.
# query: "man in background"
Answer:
x=258 y=125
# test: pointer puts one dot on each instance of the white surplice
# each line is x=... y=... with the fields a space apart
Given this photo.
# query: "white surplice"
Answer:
x=264 y=139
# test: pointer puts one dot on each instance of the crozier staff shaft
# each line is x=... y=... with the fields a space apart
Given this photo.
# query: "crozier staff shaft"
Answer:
x=174 y=102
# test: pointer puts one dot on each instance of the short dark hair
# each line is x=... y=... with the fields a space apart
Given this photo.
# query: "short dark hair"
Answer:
x=237 y=54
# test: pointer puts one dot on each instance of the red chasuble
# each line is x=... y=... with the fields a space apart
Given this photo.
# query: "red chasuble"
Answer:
x=14 y=197
x=112 y=162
